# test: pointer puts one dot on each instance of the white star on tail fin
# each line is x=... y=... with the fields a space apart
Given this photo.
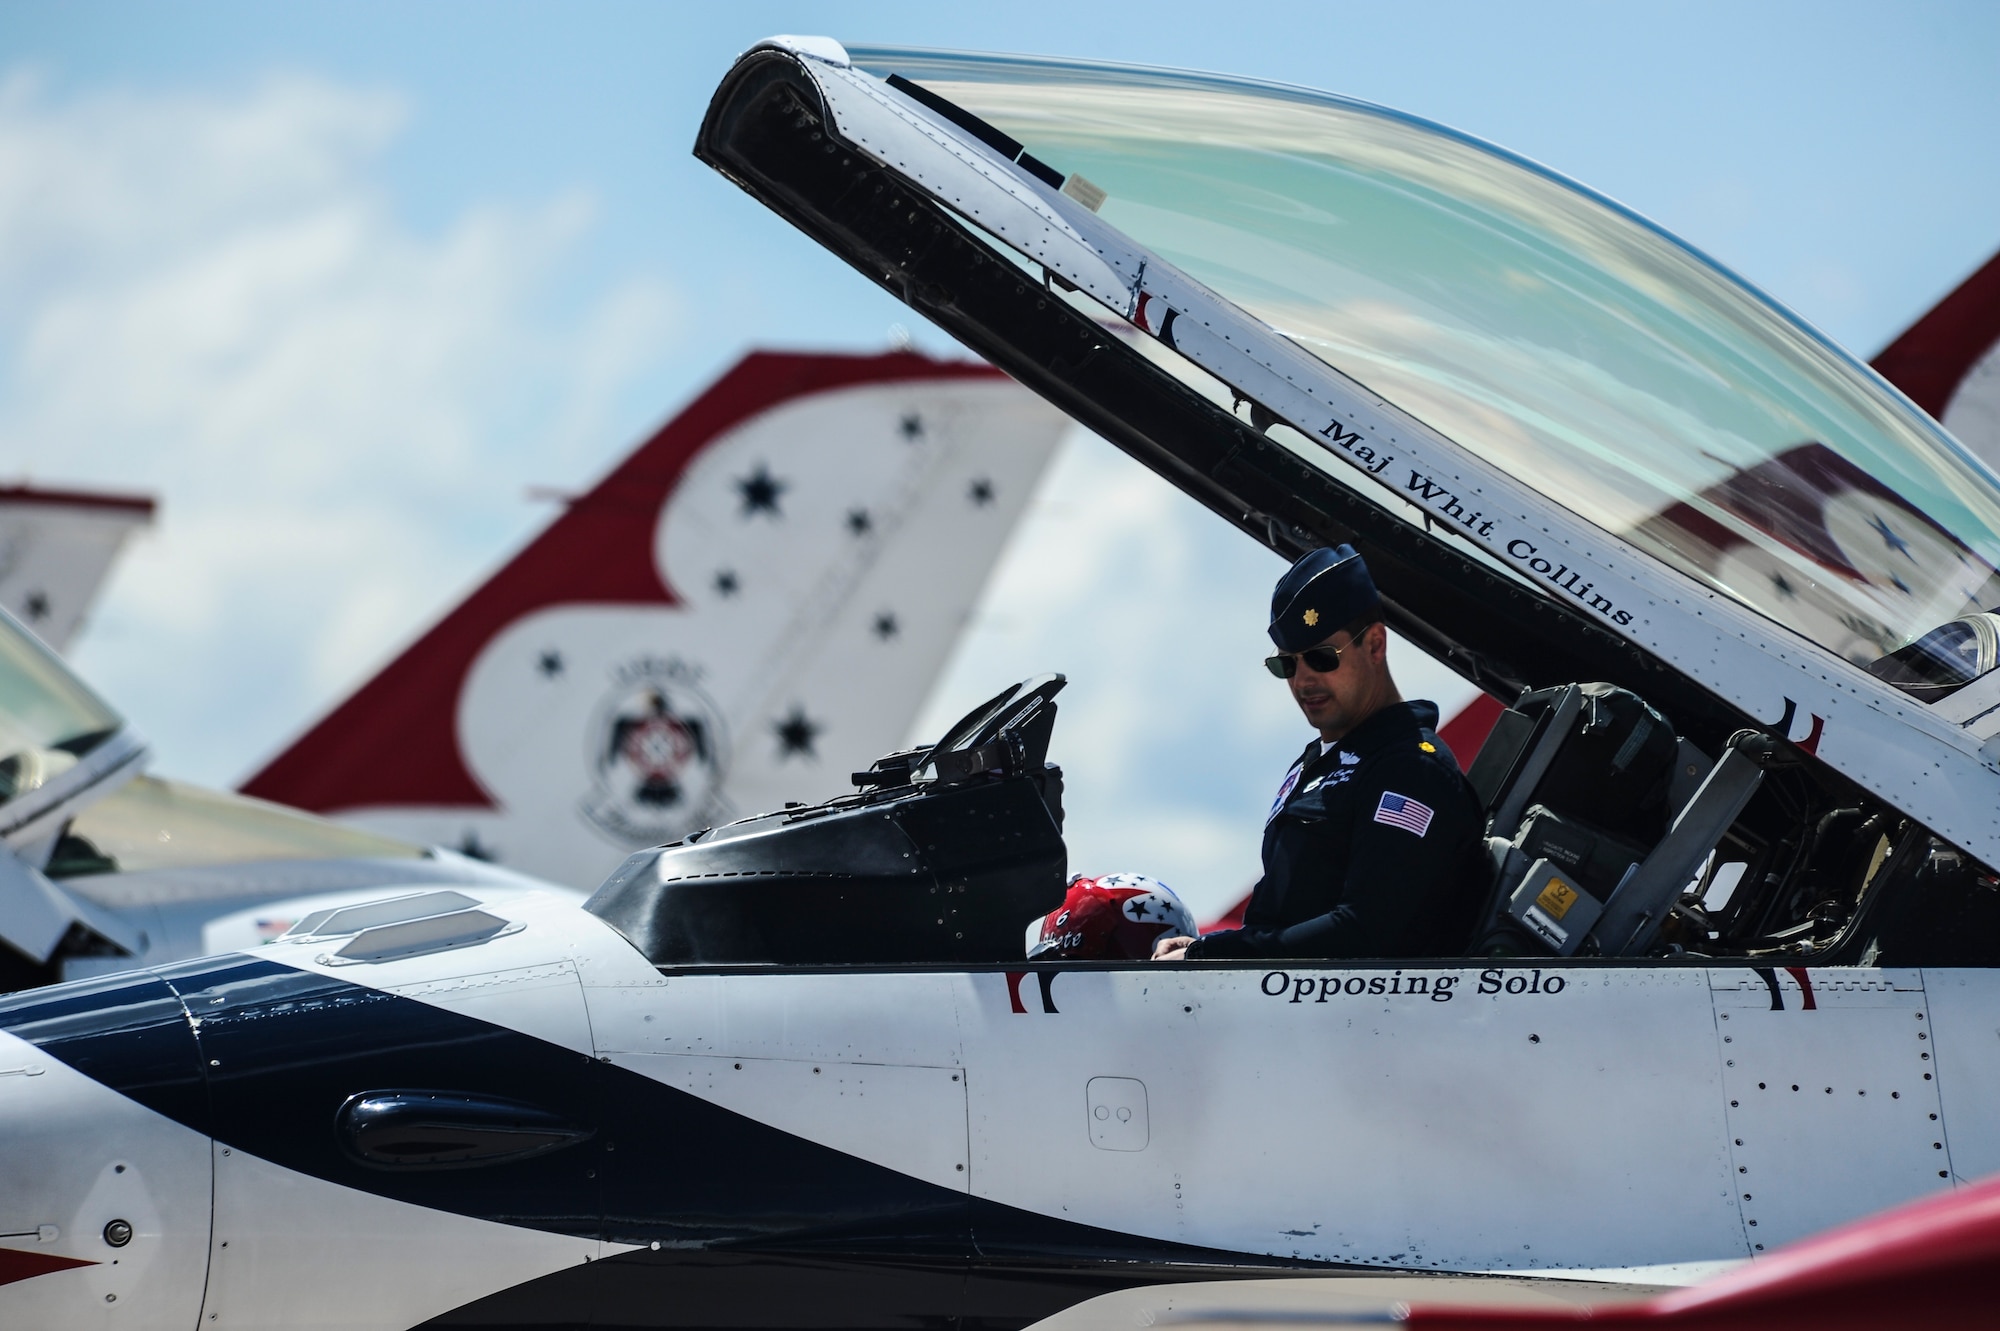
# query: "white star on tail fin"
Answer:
x=719 y=620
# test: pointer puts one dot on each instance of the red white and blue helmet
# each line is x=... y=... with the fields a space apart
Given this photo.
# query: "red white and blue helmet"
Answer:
x=1117 y=916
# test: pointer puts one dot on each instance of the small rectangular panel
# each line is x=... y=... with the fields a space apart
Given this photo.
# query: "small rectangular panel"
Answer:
x=780 y=1015
x=293 y=1251
x=1552 y=908
x=1832 y=1097
x=543 y=1001
x=1964 y=1009
x=909 y=1119
x=1116 y=1113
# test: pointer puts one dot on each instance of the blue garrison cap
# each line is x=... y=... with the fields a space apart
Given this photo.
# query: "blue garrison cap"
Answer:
x=1324 y=591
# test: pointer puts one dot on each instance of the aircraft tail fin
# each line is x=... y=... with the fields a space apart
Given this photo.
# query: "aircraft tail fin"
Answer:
x=750 y=606
x=56 y=546
x=1948 y=362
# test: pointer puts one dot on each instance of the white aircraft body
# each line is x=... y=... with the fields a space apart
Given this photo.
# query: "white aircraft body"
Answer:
x=801 y=1146
x=56 y=546
x=792 y=1072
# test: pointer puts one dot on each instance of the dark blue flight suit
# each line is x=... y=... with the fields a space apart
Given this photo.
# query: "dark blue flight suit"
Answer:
x=1373 y=849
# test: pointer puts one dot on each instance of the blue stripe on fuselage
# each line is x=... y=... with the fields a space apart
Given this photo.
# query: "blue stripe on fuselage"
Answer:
x=771 y=1225
x=282 y=1049
x=127 y=1031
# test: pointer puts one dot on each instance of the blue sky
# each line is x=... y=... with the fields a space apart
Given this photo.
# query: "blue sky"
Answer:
x=341 y=282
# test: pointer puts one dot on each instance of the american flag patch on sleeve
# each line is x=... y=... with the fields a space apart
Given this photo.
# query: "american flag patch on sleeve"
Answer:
x=1404 y=812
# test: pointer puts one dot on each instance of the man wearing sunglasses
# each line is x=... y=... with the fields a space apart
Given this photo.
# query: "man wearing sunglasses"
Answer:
x=1372 y=848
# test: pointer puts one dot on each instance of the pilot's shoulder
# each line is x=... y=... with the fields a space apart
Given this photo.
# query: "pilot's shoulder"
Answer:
x=1424 y=763
x=1435 y=751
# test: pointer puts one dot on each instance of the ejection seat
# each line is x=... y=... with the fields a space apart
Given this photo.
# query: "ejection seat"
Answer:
x=1598 y=815
x=936 y=859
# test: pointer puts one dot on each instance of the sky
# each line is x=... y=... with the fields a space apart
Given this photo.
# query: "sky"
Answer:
x=345 y=284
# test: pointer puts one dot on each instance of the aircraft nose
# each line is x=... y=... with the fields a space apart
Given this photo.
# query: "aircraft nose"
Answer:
x=104 y=1195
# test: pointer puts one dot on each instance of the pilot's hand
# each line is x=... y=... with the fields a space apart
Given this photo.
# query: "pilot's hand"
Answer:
x=1172 y=949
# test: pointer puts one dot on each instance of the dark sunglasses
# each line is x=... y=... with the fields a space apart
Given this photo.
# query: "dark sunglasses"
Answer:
x=1320 y=660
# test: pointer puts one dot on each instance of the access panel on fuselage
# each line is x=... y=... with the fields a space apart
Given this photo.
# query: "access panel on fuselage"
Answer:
x=1833 y=1104
x=814 y=1169
x=1962 y=1008
x=864 y=1064
x=1417 y=1116
x=1568 y=1116
x=305 y=1221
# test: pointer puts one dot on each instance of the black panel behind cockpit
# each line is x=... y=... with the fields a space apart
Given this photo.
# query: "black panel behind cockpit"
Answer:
x=943 y=857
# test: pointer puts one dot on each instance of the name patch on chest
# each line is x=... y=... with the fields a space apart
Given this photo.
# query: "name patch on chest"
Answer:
x=1285 y=790
x=1404 y=812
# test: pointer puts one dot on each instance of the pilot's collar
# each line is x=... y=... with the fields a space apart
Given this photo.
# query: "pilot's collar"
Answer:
x=1392 y=722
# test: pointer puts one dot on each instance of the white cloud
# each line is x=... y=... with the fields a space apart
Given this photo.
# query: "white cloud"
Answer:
x=101 y=182
x=214 y=298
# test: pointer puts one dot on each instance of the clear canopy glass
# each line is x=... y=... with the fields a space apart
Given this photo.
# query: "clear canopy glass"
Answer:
x=1540 y=326
x=48 y=717
x=150 y=823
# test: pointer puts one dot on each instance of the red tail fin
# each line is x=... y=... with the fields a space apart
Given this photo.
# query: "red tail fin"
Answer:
x=748 y=608
x=1933 y=356
x=392 y=742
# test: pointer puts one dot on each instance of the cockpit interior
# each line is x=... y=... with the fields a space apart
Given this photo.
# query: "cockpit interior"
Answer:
x=1634 y=810
x=1610 y=835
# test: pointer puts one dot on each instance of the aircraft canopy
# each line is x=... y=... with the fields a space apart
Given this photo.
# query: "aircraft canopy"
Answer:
x=48 y=717
x=1538 y=325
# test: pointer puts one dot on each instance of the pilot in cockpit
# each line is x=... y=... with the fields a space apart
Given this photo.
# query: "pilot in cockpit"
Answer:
x=1372 y=847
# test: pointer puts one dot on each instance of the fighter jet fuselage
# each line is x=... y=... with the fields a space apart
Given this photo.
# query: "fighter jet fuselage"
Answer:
x=1734 y=980
x=788 y=1074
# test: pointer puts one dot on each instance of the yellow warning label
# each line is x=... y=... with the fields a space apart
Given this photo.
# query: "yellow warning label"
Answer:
x=1557 y=898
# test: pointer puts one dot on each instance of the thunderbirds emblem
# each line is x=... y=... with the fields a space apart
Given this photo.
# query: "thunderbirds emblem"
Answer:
x=655 y=750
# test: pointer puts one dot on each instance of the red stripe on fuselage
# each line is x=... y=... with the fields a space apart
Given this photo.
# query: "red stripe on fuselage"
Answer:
x=1805 y=982
x=16 y=1264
